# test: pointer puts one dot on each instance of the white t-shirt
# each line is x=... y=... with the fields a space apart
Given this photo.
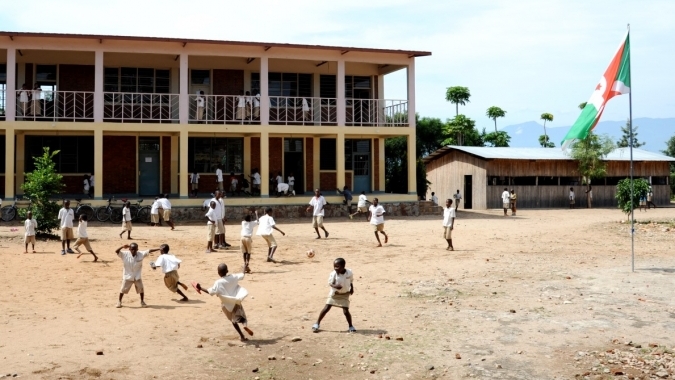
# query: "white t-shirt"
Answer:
x=212 y=214
x=280 y=179
x=506 y=197
x=362 y=200
x=345 y=280
x=132 y=265
x=282 y=187
x=241 y=101
x=23 y=96
x=219 y=174
x=168 y=262
x=265 y=224
x=37 y=94
x=247 y=227
x=228 y=286
x=200 y=101
x=86 y=185
x=457 y=196
x=291 y=180
x=126 y=214
x=434 y=199
x=571 y=195
x=256 y=178
x=82 y=229
x=318 y=204
x=194 y=178
x=66 y=216
x=207 y=203
x=305 y=105
x=448 y=216
x=91 y=181
x=256 y=100
x=218 y=210
x=154 y=209
x=30 y=225
x=164 y=203
x=377 y=214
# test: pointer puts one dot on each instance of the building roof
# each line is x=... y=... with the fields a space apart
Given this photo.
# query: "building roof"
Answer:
x=265 y=45
x=489 y=153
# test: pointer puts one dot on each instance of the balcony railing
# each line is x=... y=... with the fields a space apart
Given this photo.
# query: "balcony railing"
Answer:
x=224 y=109
x=376 y=112
x=54 y=105
x=140 y=107
x=303 y=111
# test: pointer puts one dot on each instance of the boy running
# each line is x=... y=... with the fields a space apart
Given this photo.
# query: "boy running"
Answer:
x=126 y=220
x=170 y=265
x=246 y=243
x=317 y=203
x=448 y=223
x=83 y=238
x=66 y=216
x=341 y=287
x=154 y=213
x=265 y=226
x=362 y=206
x=376 y=218
x=133 y=265
x=30 y=225
x=231 y=294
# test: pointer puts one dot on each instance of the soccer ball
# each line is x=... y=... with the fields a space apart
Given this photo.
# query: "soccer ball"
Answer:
x=310 y=253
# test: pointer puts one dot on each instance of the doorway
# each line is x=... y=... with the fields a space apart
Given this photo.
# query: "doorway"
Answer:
x=357 y=159
x=468 y=191
x=148 y=165
x=200 y=80
x=294 y=163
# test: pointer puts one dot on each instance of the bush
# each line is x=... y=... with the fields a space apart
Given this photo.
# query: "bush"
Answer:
x=39 y=186
x=640 y=189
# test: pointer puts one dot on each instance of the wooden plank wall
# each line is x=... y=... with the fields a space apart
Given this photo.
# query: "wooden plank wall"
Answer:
x=558 y=196
x=446 y=175
x=560 y=168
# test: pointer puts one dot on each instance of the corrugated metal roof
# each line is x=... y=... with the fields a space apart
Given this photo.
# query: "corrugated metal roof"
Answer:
x=488 y=153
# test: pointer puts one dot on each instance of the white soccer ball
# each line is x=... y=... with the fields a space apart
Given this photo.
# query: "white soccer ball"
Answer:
x=310 y=253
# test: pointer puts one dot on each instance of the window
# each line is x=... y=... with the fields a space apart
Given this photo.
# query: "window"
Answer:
x=290 y=84
x=659 y=180
x=205 y=154
x=45 y=74
x=255 y=83
x=355 y=148
x=200 y=77
x=328 y=154
x=328 y=86
x=547 y=181
x=524 y=181
x=2 y=156
x=293 y=145
x=357 y=87
x=130 y=79
x=569 y=181
x=3 y=89
x=76 y=153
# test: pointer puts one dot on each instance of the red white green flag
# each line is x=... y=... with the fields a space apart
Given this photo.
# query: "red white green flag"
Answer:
x=616 y=81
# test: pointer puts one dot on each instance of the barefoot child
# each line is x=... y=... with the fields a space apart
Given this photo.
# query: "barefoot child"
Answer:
x=83 y=238
x=66 y=216
x=265 y=226
x=170 y=265
x=212 y=220
x=376 y=218
x=341 y=287
x=362 y=206
x=30 y=225
x=126 y=220
x=246 y=243
x=231 y=294
x=133 y=265
x=448 y=223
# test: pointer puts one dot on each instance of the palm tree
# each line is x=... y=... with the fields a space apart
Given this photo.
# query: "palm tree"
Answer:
x=546 y=117
x=457 y=95
x=495 y=112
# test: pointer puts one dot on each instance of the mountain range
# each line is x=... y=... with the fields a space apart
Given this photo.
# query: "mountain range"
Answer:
x=653 y=132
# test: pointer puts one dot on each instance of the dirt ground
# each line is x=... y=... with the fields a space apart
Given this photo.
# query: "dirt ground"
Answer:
x=537 y=296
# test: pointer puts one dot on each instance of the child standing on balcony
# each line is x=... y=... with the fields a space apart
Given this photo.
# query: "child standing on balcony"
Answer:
x=256 y=107
x=37 y=97
x=249 y=106
x=200 y=107
x=23 y=100
x=241 y=107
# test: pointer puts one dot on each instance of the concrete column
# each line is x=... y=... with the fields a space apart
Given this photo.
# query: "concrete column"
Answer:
x=264 y=164
x=20 y=155
x=316 y=158
x=10 y=96
x=411 y=93
x=412 y=162
x=174 y=163
x=340 y=149
x=247 y=81
x=9 y=161
x=380 y=87
x=247 y=156
x=184 y=172
x=183 y=101
x=381 y=159
x=98 y=164
x=98 y=88
x=341 y=101
x=264 y=92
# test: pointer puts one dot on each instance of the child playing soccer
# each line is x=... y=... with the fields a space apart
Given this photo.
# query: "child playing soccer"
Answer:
x=30 y=225
x=170 y=265
x=231 y=294
x=126 y=220
x=83 y=238
x=341 y=287
x=265 y=226
x=246 y=242
x=133 y=266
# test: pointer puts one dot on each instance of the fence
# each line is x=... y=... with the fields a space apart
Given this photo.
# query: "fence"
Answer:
x=38 y=105
x=140 y=107
x=377 y=112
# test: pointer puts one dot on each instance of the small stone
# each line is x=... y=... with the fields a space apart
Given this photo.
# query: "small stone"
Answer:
x=616 y=372
x=498 y=366
x=360 y=355
x=519 y=352
x=458 y=356
x=296 y=339
x=372 y=371
x=99 y=352
x=255 y=370
x=400 y=338
x=662 y=374
x=430 y=367
x=387 y=337
x=653 y=345
x=512 y=311
x=271 y=357
x=256 y=378
x=199 y=346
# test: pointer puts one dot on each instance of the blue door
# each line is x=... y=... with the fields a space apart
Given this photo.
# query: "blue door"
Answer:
x=148 y=166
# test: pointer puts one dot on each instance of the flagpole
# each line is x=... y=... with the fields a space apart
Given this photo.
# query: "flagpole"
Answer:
x=632 y=187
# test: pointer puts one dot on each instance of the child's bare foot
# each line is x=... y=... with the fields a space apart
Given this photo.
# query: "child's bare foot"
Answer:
x=184 y=299
x=27 y=251
x=95 y=258
x=452 y=249
x=33 y=251
x=243 y=339
x=379 y=245
x=129 y=238
x=248 y=331
x=386 y=239
x=121 y=235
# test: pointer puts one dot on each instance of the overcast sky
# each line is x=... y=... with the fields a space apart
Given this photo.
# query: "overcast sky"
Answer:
x=526 y=56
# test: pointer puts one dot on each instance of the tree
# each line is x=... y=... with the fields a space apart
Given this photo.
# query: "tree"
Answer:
x=623 y=143
x=546 y=117
x=457 y=95
x=640 y=189
x=670 y=151
x=39 y=185
x=495 y=112
x=461 y=130
x=590 y=155
x=545 y=142
x=429 y=133
x=582 y=105
x=501 y=139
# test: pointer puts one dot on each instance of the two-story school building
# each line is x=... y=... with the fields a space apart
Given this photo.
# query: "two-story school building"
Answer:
x=142 y=113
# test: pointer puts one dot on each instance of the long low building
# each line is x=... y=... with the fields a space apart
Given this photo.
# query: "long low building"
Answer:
x=541 y=177
x=143 y=113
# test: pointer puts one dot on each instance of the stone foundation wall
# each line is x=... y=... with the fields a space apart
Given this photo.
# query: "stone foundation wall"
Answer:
x=299 y=211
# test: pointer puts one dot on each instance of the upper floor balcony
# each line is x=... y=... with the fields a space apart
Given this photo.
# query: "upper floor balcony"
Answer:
x=126 y=81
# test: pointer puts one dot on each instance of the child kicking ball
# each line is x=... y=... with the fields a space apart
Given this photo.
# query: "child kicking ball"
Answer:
x=231 y=294
x=170 y=265
x=341 y=287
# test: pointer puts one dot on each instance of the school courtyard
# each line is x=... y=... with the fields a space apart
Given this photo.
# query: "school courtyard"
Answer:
x=547 y=294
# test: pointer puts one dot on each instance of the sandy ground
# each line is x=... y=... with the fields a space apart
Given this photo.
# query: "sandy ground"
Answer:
x=519 y=298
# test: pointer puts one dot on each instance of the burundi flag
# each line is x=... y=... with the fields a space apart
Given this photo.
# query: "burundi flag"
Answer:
x=616 y=81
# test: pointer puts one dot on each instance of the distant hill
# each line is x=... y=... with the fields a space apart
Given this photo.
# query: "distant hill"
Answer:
x=653 y=132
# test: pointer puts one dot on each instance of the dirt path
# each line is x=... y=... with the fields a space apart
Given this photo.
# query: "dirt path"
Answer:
x=518 y=299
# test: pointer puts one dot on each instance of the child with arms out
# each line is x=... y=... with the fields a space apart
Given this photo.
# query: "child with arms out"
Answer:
x=170 y=265
x=341 y=287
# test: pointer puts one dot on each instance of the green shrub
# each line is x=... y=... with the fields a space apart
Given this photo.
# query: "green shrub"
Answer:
x=640 y=189
x=39 y=185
